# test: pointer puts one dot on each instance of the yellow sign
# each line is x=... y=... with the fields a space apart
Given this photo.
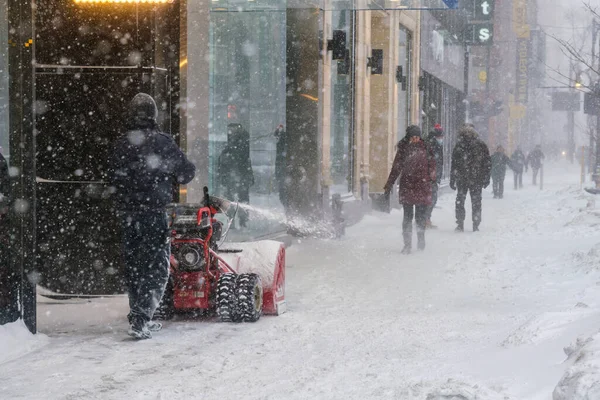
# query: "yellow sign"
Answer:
x=518 y=111
x=483 y=76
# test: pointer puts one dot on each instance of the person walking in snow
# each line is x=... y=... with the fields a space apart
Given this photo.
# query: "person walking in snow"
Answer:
x=435 y=141
x=414 y=164
x=535 y=160
x=517 y=162
x=499 y=163
x=235 y=168
x=469 y=173
x=145 y=166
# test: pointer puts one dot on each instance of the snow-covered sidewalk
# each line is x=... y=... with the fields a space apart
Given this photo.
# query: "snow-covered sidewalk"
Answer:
x=482 y=316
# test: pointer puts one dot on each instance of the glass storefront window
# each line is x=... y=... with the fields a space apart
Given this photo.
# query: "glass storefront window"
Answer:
x=342 y=100
x=4 y=111
x=404 y=92
x=247 y=103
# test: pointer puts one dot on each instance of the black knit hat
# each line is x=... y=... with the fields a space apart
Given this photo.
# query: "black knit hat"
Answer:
x=412 y=131
x=143 y=107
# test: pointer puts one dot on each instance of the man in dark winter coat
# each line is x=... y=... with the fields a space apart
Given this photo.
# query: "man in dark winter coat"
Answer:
x=499 y=163
x=6 y=277
x=535 y=160
x=415 y=165
x=235 y=168
x=4 y=186
x=470 y=172
x=145 y=166
x=435 y=141
x=281 y=165
x=517 y=162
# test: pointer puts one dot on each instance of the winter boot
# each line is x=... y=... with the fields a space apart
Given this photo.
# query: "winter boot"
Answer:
x=139 y=330
x=429 y=225
x=154 y=326
x=407 y=242
x=421 y=241
x=475 y=227
x=460 y=227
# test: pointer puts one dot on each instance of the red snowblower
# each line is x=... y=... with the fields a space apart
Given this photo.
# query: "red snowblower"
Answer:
x=237 y=282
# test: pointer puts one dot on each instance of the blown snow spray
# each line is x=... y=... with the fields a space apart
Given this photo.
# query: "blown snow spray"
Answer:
x=297 y=224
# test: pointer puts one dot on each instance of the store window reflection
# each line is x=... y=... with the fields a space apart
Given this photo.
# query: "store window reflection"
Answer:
x=247 y=103
x=341 y=107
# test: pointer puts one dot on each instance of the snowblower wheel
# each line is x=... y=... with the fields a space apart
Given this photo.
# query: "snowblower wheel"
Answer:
x=166 y=308
x=227 y=304
x=250 y=297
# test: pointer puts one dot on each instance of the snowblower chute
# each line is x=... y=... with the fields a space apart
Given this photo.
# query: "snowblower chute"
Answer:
x=238 y=282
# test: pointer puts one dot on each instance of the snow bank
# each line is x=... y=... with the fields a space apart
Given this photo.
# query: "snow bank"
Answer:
x=16 y=341
x=582 y=379
x=451 y=390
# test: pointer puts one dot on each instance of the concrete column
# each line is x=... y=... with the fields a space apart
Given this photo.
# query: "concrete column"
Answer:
x=325 y=108
x=195 y=107
x=381 y=105
x=363 y=93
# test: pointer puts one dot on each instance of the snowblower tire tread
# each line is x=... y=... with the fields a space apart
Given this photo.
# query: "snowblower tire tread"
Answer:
x=227 y=302
x=250 y=297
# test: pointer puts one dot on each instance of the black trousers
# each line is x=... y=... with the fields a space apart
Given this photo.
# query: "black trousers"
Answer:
x=535 y=172
x=419 y=213
x=475 y=191
x=434 y=199
x=146 y=248
x=498 y=184
x=518 y=179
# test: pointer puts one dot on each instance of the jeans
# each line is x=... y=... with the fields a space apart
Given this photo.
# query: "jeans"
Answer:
x=419 y=213
x=518 y=180
x=498 y=184
x=147 y=251
x=475 y=191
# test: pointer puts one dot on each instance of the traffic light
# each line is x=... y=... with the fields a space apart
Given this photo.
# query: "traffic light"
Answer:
x=578 y=82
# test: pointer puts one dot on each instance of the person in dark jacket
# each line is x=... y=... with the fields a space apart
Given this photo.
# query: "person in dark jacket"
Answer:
x=6 y=278
x=517 y=162
x=499 y=163
x=435 y=141
x=145 y=166
x=281 y=165
x=415 y=165
x=535 y=160
x=470 y=172
x=4 y=186
x=235 y=168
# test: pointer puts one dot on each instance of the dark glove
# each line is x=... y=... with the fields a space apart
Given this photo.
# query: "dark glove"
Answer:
x=452 y=185
x=486 y=184
x=387 y=190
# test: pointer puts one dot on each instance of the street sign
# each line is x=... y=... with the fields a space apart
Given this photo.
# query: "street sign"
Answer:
x=483 y=10
x=566 y=101
x=480 y=34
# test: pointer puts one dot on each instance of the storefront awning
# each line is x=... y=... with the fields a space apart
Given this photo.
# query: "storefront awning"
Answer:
x=333 y=5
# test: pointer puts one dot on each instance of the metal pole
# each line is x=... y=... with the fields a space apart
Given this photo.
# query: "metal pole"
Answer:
x=466 y=83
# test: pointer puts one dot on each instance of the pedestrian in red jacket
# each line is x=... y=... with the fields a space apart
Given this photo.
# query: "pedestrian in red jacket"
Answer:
x=415 y=166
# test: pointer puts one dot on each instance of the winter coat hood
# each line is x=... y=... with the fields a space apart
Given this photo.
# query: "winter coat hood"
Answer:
x=468 y=131
x=142 y=112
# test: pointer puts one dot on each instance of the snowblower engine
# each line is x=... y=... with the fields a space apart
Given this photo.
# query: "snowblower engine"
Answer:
x=237 y=281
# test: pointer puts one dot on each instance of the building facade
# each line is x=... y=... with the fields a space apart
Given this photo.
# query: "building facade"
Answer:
x=319 y=91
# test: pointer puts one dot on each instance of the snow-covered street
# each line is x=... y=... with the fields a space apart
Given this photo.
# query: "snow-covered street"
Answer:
x=481 y=315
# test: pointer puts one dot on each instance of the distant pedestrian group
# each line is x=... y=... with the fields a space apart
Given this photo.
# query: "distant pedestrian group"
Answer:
x=418 y=168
